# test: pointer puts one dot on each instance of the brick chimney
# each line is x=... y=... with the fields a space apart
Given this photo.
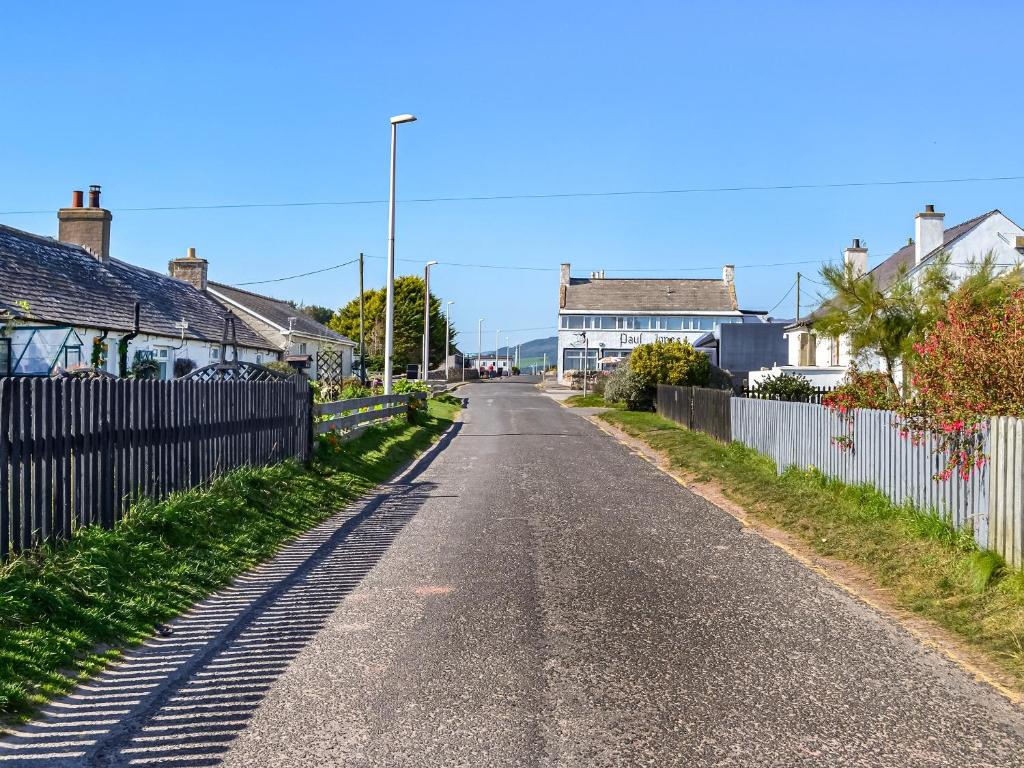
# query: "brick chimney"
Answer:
x=191 y=269
x=88 y=227
x=928 y=232
x=856 y=258
x=728 y=274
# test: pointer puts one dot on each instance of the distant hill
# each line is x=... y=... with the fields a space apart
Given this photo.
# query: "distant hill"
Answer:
x=532 y=352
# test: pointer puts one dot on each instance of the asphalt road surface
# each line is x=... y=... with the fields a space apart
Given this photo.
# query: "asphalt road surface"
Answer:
x=530 y=594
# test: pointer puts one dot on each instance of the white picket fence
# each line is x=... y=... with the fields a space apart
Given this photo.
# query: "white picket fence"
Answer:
x=800 y=435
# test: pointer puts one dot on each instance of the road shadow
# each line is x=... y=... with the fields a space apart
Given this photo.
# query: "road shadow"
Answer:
x=181 y=699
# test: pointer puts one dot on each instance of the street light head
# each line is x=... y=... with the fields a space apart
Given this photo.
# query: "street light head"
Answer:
x=398 y=119
x=430 y=263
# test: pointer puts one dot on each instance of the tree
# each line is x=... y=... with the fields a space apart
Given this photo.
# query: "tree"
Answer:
x=889 y=322
x=408 y=341
x=670 y=362
x=882 y=322
x=322 y=315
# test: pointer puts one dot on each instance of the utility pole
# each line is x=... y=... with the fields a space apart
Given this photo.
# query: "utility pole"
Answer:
x=447 y=337
x=508 y=352
x=798 y=297
x=362 y=347
x=496 y=342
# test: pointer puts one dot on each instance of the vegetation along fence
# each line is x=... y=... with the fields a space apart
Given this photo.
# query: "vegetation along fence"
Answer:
x=349 y=417
x=801 y=435
x=77 y=452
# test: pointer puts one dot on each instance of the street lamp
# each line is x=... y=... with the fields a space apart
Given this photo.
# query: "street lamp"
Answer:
x=497 y=341
x=426 y=317
x=389 y=325
x=508 y=351
x=448 y=337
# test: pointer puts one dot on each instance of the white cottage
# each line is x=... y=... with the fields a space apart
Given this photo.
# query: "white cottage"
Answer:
x=66 y=303
x=825 y=360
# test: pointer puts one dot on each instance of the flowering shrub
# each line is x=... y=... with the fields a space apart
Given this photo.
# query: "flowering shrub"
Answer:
x=860 y=389
x=970 y=367
x=785 y=386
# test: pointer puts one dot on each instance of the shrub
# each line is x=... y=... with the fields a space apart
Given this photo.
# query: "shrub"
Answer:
x=670 y=362
x=860 y=389
x=967 y=369
x=183 y=367
x=785 y=386
x=405 y=386
x=280 y=366
x=626 y=386
x=145 y=369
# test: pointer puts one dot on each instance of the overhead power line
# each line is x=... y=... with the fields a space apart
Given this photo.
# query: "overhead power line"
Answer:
x=303 y=274
x=784 y=297
x=554 y=195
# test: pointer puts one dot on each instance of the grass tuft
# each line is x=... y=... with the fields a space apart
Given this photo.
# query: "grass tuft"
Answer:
x=66 y=610
x=925 y=564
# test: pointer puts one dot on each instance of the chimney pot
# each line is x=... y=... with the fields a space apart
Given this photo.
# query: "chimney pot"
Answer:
x=191 y=253
x=94 y=196
x=856 y=242
x=929 y=208
x=77 y=198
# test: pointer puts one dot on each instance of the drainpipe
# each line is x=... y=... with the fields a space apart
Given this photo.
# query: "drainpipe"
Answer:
x=122 y=346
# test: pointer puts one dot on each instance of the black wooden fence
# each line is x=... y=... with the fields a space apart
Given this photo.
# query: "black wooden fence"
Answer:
x=698 y=408
x=77 y=452
x=814 y=397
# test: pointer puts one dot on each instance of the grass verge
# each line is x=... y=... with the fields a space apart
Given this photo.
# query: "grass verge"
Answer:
x=922 y=563
x=66 y=610
x=591 y=401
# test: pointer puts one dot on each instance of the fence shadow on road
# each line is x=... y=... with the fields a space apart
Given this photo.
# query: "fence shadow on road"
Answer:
x=180 y=699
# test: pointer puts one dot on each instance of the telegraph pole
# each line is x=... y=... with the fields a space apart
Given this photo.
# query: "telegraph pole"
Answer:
x=362 y=347
x=798 y=297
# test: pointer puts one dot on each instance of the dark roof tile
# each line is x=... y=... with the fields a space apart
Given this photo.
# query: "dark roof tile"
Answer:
x=648 y=295
x=278 y=312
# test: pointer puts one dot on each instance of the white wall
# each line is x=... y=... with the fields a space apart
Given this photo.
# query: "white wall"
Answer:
x=569 y=339
x=201 y=353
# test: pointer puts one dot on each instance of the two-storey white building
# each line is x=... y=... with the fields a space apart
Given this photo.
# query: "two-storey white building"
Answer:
x=824 y=360
x=601 y=317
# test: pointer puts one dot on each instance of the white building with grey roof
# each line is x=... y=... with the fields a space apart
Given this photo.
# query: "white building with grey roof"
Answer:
x=66 y=303
x=825 y=360
x=602 y=318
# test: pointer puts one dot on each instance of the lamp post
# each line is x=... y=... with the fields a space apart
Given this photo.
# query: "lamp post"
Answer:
x=426 y=317
x=508 y=352
x=389 y=324
x=497 y=341
x=448 y=337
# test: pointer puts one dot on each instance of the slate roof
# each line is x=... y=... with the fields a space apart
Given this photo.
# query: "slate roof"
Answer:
x=64 y=284
x=885 y=274
x=648 y=295
x=278 y=312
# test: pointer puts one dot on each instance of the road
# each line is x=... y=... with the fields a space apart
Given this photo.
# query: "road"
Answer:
x=532 y=593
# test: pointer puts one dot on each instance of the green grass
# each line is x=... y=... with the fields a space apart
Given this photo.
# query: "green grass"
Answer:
x=591 y=401
x=66 y=610
x=919 y=559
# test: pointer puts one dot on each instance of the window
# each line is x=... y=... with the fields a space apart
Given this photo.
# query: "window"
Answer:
x=302 y=348
x=834 y=351
x=163 y=357
x=573 y=359
x=572 y=322
x=214 y=354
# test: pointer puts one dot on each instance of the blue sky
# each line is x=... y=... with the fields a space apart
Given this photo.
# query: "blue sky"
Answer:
x=222 y=103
